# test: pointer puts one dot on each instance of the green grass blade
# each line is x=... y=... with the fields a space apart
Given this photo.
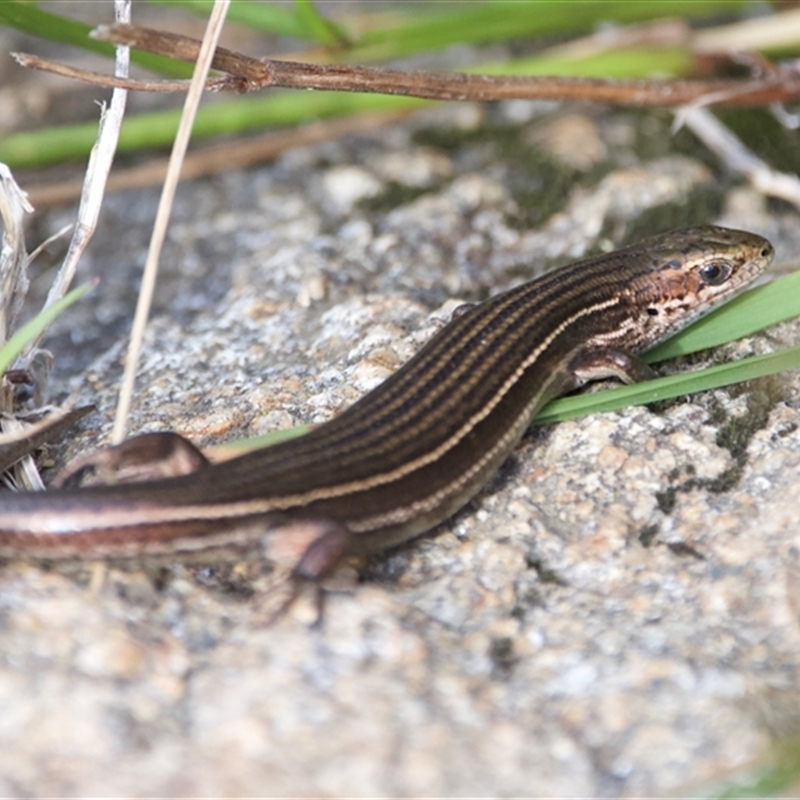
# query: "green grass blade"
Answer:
x=320 y=29
x=30 y=330
x=268 y=17
x=753 y=311
x=747 y=369
x=27 y=18
x=499 y=20
x=268 y=439
x=402 y=31
x=70 y=142
x=625 y=62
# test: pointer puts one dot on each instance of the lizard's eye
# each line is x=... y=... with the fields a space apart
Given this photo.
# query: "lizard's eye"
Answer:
x=715 y=273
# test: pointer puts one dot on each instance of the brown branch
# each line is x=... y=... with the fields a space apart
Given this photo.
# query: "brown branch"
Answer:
x=99 y=79
x=459 y=86
x=183 y=48
x=249 y=73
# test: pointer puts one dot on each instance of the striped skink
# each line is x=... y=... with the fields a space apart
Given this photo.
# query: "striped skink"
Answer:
x=417 y=448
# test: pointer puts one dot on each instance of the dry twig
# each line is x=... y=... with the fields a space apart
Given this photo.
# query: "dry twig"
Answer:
x=203 y=64
x=247 y=74
x=738 y=158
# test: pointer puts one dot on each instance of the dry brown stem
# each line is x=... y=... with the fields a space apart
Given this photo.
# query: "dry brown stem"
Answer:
x=249 y=73
x=245 y=73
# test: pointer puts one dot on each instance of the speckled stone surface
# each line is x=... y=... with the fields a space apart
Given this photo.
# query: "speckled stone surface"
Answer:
x=608 y=618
